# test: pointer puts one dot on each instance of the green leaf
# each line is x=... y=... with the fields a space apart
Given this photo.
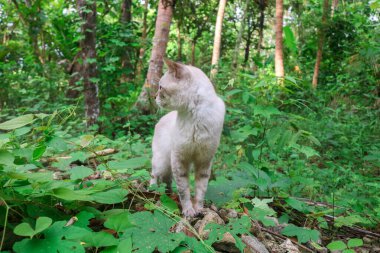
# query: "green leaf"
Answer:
x=6 y=157
x=42 y=223
x=39 y=151
x=298 y=205
x=17 y=122
x=124 y=246
x=152 y=231
x=336 y=245
x=80 y=172
x=68 y=194
x=99 y=239
x=132 y=163
x=303 y=234
x=85 y=140
x=22 y=131
x=24 y=229
x=348 y=251
x=170 y=204
x=266 y=111
x=352 y=243
x=119 y=222
x=235 y=227
x=58 y=238
x=290 y=40
x=111 y=196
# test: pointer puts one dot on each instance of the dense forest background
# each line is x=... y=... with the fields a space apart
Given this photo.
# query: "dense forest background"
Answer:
x=300 y=152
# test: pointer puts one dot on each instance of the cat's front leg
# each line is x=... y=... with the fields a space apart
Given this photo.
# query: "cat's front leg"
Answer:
x=202 y=175
x=180 y=169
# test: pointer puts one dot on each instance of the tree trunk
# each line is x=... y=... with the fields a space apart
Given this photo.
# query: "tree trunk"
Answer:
x=321 y=36
x=279 y=57
x=240 y=35
x=333 y=7
x=126 y=11
x=143 y=42
x=217 y=38
x=145 y=101
x=87 y=12
x=261 y=26
x=74 y=70
x=193 y=44
x=179 y=41
x=126 y=59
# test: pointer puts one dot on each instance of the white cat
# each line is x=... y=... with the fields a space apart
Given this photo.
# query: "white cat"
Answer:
x=189 y=135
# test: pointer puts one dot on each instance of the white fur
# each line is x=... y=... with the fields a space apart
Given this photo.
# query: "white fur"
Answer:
x=187 y=136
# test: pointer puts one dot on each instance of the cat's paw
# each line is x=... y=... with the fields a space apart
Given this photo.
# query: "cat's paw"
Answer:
x=189 y=212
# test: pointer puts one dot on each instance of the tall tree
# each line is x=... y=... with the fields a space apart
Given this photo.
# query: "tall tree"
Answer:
x=321 y=36
x=262 y=5
x=240 y=35
x=160 y=41
x=32 y=16
x=143 y=41
x=126 y=57
x=87 y=12
x=217 y=38
x=279 y=55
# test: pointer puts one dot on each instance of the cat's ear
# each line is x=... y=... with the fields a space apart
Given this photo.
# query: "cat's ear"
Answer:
x=176 y=69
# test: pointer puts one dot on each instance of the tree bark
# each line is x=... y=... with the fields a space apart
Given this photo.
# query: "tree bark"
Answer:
x=321 y=36
x=145 y=101
x=143 y=42
x=217 y=38
x=193 y=44
x=126 y=59
x=279 y=56
x=333 y=7
x=87 y=12
x=261 y=26
x=240 y=35
x=179 y=41
x=126 y=11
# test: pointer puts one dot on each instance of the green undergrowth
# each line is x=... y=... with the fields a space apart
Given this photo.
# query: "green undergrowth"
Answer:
x=61 y=194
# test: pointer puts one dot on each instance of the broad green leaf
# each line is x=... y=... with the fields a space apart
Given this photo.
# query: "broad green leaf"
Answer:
x=119 y=222
x=99 y=239
x=347 y=221
x=170 y=204
x=290 y=40
x=303 y=234
x=6 y=157
x=111 y=196
x=355 y=242
x=24 y=229
x=85 y=140
x=124 y=246
x=68 y=194
x=42 y=223
x=80 y=172
x=336 y=245
x=348 y=251
x=132 y=163
x=235 y=227
x=56 y=240
x=298 y=205
x=17 y=122
x=39 y=151
x=152 y=231
x=266 y=111
x=22 y=131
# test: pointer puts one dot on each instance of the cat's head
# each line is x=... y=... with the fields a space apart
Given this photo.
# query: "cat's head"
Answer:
x=174 y=90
